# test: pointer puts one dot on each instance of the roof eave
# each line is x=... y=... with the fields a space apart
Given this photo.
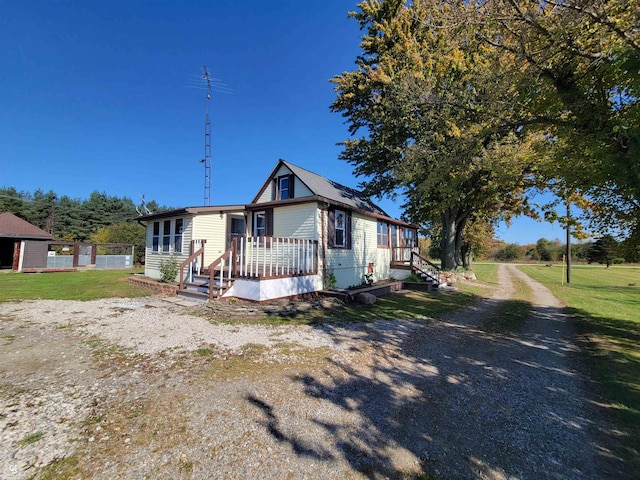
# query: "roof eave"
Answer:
x=190 y=211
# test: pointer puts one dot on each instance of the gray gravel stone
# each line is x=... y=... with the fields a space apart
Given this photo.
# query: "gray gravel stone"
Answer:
x=118 y=383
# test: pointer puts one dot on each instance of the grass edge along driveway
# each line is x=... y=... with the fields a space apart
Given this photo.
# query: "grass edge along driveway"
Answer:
x=605 y=304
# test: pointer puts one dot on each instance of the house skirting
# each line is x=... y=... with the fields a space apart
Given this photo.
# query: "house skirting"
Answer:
x=400 y=273
x=261 y=290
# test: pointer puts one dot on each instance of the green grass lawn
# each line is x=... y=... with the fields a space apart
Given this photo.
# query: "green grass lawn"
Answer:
x=398 y=306
x=606 y=305
x=82 y=285
x=486 y=272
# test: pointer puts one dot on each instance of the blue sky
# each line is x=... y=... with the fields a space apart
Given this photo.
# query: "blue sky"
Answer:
x=98 y=96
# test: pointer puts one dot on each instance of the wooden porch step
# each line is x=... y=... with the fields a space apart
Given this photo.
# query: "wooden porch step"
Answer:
x=194 y=295
x=199 y=288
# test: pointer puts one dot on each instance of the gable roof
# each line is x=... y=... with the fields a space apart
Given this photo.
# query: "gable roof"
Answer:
x=15 y=227
x=323 y=187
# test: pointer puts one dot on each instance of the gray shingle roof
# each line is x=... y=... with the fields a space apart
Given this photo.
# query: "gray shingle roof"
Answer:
x=15 y=227
x=331 y=190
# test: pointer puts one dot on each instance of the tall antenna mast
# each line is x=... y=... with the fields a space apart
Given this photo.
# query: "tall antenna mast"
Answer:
x=207 y=143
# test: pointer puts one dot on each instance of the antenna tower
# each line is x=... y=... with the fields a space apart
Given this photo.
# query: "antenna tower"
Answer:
x=207 y=143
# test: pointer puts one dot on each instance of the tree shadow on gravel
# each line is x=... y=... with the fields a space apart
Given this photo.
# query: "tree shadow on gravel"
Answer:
x=444 y=399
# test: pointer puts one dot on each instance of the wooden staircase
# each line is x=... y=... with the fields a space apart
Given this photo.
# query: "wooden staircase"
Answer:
x=198 y=288
x=205 y=284
x=424 y=269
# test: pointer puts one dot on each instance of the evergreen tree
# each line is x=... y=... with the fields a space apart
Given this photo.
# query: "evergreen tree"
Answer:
x=604 y=250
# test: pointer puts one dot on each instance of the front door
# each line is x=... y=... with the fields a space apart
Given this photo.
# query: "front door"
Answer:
x=236 y=228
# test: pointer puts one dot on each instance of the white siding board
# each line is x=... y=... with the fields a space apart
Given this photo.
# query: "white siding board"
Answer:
x=350 y=266
x=212 y=227
x=283 y=171
x=399 y=273
x=261 y=290
x=300 y=189
x=267 y=195
x=296 y=221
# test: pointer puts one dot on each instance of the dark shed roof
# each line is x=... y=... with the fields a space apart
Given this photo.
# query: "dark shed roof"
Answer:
x=15 y=227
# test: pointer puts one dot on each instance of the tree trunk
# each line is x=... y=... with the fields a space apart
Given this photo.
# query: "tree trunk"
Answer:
x=448 y=254
x=465 y=253
x=452 y=225
x=460 y=243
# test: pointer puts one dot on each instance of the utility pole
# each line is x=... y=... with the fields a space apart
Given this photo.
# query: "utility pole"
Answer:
x=568 y=241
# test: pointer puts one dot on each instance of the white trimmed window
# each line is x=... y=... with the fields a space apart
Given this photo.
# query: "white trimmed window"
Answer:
x=155 y=242
x=166 y=236
x=177 y=235
x=260 y=224
x=283 y=187
x=340 y=227
x=383 y=235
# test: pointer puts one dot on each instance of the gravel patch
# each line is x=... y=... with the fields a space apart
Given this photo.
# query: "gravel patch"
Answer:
x=118 y=386
x=151 y=327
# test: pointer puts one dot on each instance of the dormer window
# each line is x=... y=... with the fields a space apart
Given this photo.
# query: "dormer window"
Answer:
x=283 y=187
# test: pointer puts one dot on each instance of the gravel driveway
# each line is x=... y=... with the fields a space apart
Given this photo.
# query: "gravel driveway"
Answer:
x=142 y=389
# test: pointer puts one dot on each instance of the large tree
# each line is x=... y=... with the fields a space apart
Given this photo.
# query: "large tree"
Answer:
x=582 y=59
x=436 y=112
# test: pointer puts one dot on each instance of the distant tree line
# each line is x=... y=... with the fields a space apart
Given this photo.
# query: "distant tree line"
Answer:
x=605 y=250
x=101 y=218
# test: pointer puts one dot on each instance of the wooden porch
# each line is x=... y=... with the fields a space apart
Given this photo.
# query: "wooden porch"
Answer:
x=257 y=258
x=401 y=256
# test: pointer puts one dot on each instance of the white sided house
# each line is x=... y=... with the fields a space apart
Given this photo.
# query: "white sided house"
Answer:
x=301 y=233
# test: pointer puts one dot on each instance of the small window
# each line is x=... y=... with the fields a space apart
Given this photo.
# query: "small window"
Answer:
x=340 y=226
x=237 y=226
x=409 y=238
x=259 y=224
x=156 y=237
x=166 y=236
x=383 y=235
x=177 y=235
x=283 y=187
x=394 y=236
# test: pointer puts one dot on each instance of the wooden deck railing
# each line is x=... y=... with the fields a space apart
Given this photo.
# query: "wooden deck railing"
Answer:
x=402 y=255
x=271 y=257
x=193 y=263
x=221 y=273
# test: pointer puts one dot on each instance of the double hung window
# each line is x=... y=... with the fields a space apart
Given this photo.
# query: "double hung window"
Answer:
x=156 y=237
x=260 y=224
x=177 y=235
x=283 y=187
x=340 y=228
x=383 y=234
x=166 y=236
